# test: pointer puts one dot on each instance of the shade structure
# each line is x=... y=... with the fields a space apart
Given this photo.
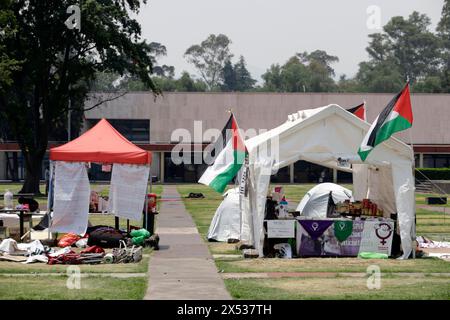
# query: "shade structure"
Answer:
x=330 y=136
x=103 y=144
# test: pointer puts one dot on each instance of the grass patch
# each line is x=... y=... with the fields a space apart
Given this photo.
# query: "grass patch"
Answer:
x=424 y=265
x=338 y=288
x=55 y=288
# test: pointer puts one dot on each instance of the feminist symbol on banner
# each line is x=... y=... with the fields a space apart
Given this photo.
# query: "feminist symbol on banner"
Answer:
x=383 y=232
x=314 y=226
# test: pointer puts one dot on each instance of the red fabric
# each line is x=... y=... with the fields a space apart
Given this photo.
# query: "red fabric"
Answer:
x=360 y=113
x=104 y=144
x=238 y=143
x=68 y=240
x=403 y=105
x=93 y=249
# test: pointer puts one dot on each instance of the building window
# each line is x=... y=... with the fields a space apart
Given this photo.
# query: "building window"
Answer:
x=134 y=130
x=183 y=172
x=436 y=160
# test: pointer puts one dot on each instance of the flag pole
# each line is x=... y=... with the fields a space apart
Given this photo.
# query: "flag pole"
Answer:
x=414 y=243
x=365 y=111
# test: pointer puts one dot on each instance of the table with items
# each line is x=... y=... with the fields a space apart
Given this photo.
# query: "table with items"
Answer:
x=348 y=229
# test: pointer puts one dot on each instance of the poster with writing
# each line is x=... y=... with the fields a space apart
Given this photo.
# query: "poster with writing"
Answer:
x=377 y=237
x=281 y=228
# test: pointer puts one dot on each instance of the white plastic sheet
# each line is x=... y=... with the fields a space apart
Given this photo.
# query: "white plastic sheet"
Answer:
x=226 y=223
x=127 y=191
x=71 y=198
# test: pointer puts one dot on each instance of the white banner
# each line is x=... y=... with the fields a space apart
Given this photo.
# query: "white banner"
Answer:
x=377 y=236
x=71 y=200
x=281 y=228
x=127 y=191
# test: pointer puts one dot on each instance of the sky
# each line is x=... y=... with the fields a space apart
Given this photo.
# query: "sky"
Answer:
x=267 y=32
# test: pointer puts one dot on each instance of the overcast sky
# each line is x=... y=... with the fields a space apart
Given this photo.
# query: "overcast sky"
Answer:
x=271 y=31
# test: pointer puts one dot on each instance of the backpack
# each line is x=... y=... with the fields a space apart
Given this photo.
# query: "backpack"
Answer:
x=105 y=237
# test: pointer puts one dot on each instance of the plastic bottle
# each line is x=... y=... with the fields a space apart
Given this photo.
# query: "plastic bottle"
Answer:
x=8 y=199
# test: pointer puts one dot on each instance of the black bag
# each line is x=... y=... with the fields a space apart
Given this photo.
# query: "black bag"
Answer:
x=105 y=237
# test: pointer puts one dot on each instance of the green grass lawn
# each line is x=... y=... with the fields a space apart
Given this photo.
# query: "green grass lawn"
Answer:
x=391 y=288
x=55 y=288
x=429 y=223
x=424 y=265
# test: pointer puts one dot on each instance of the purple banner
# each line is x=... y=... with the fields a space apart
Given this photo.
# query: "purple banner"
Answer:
x=315 y=228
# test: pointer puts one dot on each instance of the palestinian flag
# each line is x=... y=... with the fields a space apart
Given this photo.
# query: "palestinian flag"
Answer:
x=359 y=111
x=397 y=116
x=229 y=160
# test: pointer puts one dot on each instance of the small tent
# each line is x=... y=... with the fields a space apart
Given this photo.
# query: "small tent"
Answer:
x=315 y=202
x=69 y=197
x=226 y=223
x=330 y=136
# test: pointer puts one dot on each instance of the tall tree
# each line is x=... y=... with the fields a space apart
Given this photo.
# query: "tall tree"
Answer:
x=210 y=57
x=272 y=79
x=229 y=77
x=405 y=49
x=305 y=71
x=58 y=62
x=244 y=80
x=157 y=50
x=443 y=30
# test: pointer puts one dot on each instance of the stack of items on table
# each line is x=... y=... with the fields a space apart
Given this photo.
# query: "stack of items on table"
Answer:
x=277 y=209
x=277 y=205
x=126 y=248
x=366 y=208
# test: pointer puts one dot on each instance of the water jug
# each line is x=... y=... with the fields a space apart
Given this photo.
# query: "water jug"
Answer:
x=8 y=199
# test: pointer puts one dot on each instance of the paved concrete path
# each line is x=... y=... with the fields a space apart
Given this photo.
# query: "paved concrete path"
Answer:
x=183 y=268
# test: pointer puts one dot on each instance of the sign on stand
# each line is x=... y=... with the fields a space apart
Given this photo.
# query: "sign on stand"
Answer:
x=281 y=228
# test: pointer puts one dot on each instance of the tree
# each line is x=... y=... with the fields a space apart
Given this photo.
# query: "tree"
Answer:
x=157 y=50
x=272 y=78
x=229 y=77
x=383 y=76
x=209 y=58
x=58 y=63
x=7 y=63
x=319 y=57
x=236 y=77
x=244 y=80
x=405 y=49
x=303 y=72
x=186 y=84
x=443 y=31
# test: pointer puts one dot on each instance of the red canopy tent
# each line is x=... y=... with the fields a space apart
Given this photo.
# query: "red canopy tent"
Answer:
x=104 y=144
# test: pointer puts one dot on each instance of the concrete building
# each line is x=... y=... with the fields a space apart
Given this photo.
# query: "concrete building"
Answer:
x=156 y=124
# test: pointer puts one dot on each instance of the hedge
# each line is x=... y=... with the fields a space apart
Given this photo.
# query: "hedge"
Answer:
x=433 y=173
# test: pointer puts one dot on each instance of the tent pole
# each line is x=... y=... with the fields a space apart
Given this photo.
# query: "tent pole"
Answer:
x=149 y=189
x=50 y=197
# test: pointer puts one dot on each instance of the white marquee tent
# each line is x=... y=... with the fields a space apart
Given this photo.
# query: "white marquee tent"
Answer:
x=325 y=136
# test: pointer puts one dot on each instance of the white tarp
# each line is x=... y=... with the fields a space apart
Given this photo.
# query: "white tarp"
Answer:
x=71 y=198
x=325 y=136
x=127 y=190
x=315 y=202
x=226 y=223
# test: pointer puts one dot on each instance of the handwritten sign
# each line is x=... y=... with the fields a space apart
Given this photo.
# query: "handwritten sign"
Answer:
x=281 y=228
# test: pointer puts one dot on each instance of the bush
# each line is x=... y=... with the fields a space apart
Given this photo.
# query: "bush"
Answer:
x=433 y=173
